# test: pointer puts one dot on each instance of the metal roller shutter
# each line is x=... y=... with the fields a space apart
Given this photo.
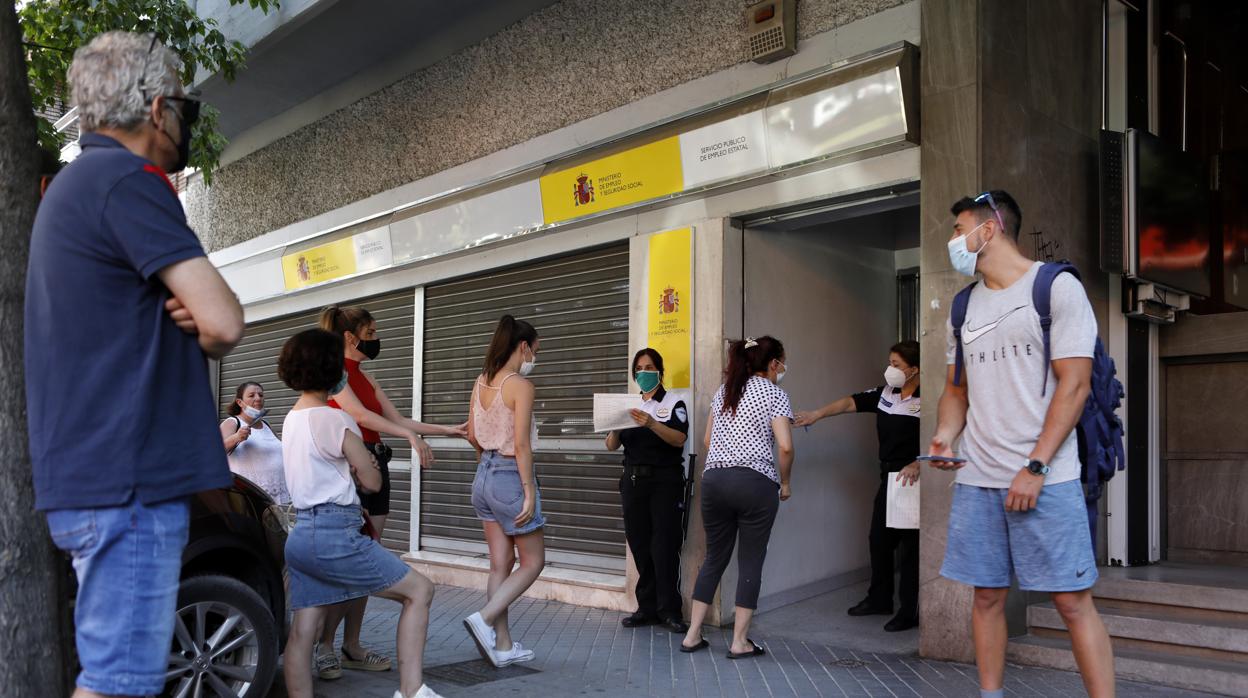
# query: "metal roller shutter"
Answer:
x=579 y=305
x=255 y=359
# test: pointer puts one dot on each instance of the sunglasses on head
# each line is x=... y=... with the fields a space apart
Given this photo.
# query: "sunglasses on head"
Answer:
x=992 y=203
x=190 y=105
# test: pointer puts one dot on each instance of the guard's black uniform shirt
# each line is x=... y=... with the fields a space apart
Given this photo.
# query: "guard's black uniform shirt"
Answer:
x=643 y=447
x=896 y=424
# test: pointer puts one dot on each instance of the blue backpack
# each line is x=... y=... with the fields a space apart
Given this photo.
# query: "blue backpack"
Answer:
x=1099 y=430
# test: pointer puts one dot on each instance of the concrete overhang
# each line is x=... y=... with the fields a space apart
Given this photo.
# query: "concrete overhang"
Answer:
x=313 y=57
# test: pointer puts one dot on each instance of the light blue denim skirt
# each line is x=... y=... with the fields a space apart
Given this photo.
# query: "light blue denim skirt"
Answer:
x=330 y=561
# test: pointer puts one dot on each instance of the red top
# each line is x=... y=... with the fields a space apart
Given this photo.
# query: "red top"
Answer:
x=365 y=393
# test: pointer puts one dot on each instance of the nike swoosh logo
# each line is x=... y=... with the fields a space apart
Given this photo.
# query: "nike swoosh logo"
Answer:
x=970 y=335
x=1081 y=572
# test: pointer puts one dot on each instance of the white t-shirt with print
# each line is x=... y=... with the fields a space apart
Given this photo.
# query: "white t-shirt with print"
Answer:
x=317 y=471
x=744 y=438
x=1005 y=371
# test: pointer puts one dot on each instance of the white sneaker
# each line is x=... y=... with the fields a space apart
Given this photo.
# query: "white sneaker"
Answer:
x=483 y=636
x=515 y=655
x=424 y=692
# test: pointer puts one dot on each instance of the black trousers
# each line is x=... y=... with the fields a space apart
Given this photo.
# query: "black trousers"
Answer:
x=738 y=505
x=652 y=519
x=884 y=542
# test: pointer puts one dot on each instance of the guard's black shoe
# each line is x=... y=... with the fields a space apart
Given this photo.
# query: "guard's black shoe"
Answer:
x=902 y=621
x=866 y=608
x=638 y=620
x=675 y=624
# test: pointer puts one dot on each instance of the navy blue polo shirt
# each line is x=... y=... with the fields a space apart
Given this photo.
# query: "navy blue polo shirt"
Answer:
x=118 y=398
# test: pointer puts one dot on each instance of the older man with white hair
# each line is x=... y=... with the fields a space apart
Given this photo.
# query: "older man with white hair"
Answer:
x=122 y=307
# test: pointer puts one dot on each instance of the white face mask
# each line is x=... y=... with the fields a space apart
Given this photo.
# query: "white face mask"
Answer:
x=253 y=414
x=894 y=377
x=962 y=259
x=780 y=374
x=526 y=367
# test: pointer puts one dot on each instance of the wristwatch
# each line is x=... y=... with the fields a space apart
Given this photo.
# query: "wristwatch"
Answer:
x=1037 y=467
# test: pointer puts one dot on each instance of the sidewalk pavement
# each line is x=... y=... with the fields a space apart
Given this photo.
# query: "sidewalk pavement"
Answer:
x=585 y=652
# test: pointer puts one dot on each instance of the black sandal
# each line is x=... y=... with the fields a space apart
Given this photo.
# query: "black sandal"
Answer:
x=702 y=644
x=756 y=652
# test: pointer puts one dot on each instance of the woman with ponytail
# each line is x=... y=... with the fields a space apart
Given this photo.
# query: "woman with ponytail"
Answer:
x=742 y=484
x=359 y=395
x=504 y=491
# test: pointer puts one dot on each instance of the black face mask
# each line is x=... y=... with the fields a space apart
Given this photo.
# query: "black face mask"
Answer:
x=184 y=148
x=369 y=347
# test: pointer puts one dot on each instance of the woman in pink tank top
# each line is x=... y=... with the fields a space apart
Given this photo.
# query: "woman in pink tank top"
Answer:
x=504 y=491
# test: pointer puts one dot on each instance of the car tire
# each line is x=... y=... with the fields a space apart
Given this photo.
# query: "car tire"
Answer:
x=225 y=641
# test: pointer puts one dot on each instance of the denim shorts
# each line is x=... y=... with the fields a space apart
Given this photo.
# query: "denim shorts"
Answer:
x=330 y=561
x=128 y=560
x=498 y=496
x=1049 y=548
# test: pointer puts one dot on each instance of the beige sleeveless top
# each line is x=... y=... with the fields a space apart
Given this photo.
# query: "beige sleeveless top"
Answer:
x=495 y=426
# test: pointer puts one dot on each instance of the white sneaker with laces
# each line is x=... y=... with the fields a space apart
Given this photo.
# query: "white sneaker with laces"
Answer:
x=515 y=655
x=483 y=636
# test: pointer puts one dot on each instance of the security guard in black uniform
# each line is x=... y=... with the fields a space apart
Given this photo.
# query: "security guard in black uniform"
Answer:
x=651 y=488
x=896 y=408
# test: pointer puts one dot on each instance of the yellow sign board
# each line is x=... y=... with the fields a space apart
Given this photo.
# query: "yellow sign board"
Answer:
x=642 y=173
x=669 y=317
x=332 y=260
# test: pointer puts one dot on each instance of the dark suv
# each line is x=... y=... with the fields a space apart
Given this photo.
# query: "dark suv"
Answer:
x=231 y=622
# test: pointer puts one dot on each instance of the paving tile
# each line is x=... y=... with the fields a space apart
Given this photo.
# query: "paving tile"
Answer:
x=585 y=652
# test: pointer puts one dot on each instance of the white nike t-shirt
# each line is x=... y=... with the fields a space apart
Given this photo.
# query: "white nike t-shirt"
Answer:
x=1004 y=372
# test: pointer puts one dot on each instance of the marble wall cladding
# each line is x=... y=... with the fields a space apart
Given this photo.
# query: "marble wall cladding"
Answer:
x=1194 y=427
x=1064 y=61
x=949 y=169
x=561 y=65
x=950 y=54
x=1205 y=505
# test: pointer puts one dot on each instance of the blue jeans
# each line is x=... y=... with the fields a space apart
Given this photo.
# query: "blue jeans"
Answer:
x=128 y=560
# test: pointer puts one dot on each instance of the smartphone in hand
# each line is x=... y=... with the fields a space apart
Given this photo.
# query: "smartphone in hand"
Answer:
x=941 y=459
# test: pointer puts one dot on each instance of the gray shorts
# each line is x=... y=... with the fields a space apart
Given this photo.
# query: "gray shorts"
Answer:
x=498 y=496
x=1048 y=548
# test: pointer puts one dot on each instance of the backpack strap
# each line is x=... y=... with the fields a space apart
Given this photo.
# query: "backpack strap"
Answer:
x=1041 y=297
x=957 y=318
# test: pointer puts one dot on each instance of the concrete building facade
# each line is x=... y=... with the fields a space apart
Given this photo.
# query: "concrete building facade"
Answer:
x=430 y=146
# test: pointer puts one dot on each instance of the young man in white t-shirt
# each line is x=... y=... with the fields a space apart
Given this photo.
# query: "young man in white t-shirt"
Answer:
x=1018 y=505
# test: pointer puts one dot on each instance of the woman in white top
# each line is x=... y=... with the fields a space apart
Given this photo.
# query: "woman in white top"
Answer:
x=742 y=484
x=254 y=450
x=329 y=559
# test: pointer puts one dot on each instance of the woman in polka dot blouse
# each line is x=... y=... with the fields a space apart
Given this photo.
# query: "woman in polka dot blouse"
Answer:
x=742 y=482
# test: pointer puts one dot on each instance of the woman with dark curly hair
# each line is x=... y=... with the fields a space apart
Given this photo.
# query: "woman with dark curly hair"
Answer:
x=330 y=561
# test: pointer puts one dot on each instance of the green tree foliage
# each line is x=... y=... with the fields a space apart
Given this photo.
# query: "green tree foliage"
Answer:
x=53 y=29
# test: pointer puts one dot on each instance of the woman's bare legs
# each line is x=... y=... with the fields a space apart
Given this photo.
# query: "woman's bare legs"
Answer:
x=415 y=592
x=532 y=547
x=297 y=660
x=502 y=561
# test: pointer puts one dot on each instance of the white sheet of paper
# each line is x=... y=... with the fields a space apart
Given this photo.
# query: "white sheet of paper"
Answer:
x=611 y=410
x=903 y=504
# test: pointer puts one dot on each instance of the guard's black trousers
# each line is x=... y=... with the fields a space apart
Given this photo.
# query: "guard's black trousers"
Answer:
x=884 y=541
x=652 y=526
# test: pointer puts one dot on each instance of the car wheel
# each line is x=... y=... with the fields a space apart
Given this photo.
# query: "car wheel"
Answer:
x=224 y=641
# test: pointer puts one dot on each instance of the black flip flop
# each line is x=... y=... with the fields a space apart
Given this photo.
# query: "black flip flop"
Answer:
x=756 y=652
x=702 y=644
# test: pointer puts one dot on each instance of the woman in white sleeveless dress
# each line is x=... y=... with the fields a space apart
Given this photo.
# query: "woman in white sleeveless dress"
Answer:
x=254 y=450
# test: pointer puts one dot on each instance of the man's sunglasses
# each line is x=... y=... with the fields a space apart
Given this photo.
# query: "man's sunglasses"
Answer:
x=987 y=196
x=190 y=105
